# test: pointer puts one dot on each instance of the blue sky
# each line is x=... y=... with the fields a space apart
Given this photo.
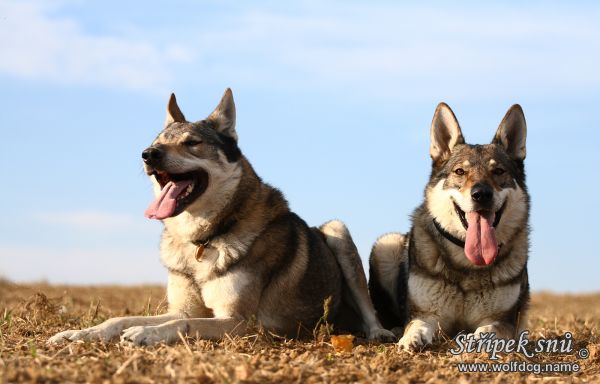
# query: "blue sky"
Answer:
x=334 y=104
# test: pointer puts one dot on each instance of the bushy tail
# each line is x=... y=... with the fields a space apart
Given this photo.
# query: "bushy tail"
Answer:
x=388 y=276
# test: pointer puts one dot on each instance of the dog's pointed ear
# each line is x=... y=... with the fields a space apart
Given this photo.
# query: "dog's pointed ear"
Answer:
x=445 y=133
x=174 y=114
x=512 y=133
x=224 y=115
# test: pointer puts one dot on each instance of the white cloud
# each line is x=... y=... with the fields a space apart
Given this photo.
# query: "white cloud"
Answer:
x=89 y=220
x=37 y=46
x=109 y=265
x=420 y=50
x=84 y=247
x=382 y=49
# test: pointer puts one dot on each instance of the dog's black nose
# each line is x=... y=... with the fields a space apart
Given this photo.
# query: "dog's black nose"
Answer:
x=482 y=193
x=152 y=155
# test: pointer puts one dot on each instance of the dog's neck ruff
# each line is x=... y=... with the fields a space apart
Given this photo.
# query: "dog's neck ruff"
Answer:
x=202 y=243
x=455 y=240
x=448 y=236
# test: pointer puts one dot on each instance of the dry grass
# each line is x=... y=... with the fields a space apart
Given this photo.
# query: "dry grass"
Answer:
x=29 y=314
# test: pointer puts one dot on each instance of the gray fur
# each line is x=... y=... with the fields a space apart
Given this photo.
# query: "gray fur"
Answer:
x=258 y=261
x=431 y=283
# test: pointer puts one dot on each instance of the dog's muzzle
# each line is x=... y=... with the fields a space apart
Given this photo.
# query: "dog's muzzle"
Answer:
x=152 y=156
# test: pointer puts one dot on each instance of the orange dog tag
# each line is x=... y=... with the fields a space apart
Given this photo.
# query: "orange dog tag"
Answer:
x=199 y=252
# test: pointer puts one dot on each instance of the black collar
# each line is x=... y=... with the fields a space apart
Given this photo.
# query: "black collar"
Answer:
x=219 y=231
x=203 y=242
x=448 y=236
x=455 y=240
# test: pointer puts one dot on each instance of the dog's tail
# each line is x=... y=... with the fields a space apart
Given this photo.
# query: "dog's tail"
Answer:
x=388 y=278
x=341 y=244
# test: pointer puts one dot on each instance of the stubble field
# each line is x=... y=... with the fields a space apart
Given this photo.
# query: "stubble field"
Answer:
x=30 y=314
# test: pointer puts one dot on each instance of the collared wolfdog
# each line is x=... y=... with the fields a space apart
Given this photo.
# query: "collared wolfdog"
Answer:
x=234 y=251
x=463 y=266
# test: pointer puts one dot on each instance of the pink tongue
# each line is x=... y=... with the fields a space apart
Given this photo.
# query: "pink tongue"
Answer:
x=164 y=205
x=481 y=247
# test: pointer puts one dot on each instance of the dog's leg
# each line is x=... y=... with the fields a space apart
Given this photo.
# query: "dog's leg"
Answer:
x=340 y=242
x=418 y=334
x=506 y=328
x=388 y=276
x=213 y=329
x=184 y=297
x=110 y=329
x=184 y=301
x=501 y=329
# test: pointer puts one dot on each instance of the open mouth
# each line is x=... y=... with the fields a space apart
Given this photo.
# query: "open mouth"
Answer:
x=463 y=218
x=481 y=246
x=177 y=192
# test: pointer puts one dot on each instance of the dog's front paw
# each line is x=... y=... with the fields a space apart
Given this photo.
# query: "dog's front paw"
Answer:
x=381 y=335
x=149 y=335
x=398 y=331
x=63 y=337
x=104 y=332
x=495 y=329
x=417 y=335
x=483 y=332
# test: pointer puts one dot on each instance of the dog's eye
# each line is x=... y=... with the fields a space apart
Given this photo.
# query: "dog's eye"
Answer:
x=498 y=171
x=459 y=171
x=192 y=143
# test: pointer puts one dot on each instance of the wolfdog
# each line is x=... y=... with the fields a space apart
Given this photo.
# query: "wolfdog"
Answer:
x=463 y=266
x=235 y=253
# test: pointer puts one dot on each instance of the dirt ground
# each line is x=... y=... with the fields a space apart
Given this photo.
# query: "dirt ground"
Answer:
x=30 y=314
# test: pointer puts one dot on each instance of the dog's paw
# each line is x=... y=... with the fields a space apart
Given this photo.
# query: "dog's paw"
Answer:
x=496 y=329
x=398 y=331
x=62 y=337
x=381 y=335
x=485 y=331
x=149 y=335
x=417 y=335
x=104 y=332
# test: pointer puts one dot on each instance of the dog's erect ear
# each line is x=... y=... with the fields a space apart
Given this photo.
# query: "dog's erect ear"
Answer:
x=445 y=133
x=173 y=112
x=224 y=115
x=512 y=133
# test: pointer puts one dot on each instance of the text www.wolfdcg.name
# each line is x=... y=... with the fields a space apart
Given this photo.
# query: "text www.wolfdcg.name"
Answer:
x=520 y=366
